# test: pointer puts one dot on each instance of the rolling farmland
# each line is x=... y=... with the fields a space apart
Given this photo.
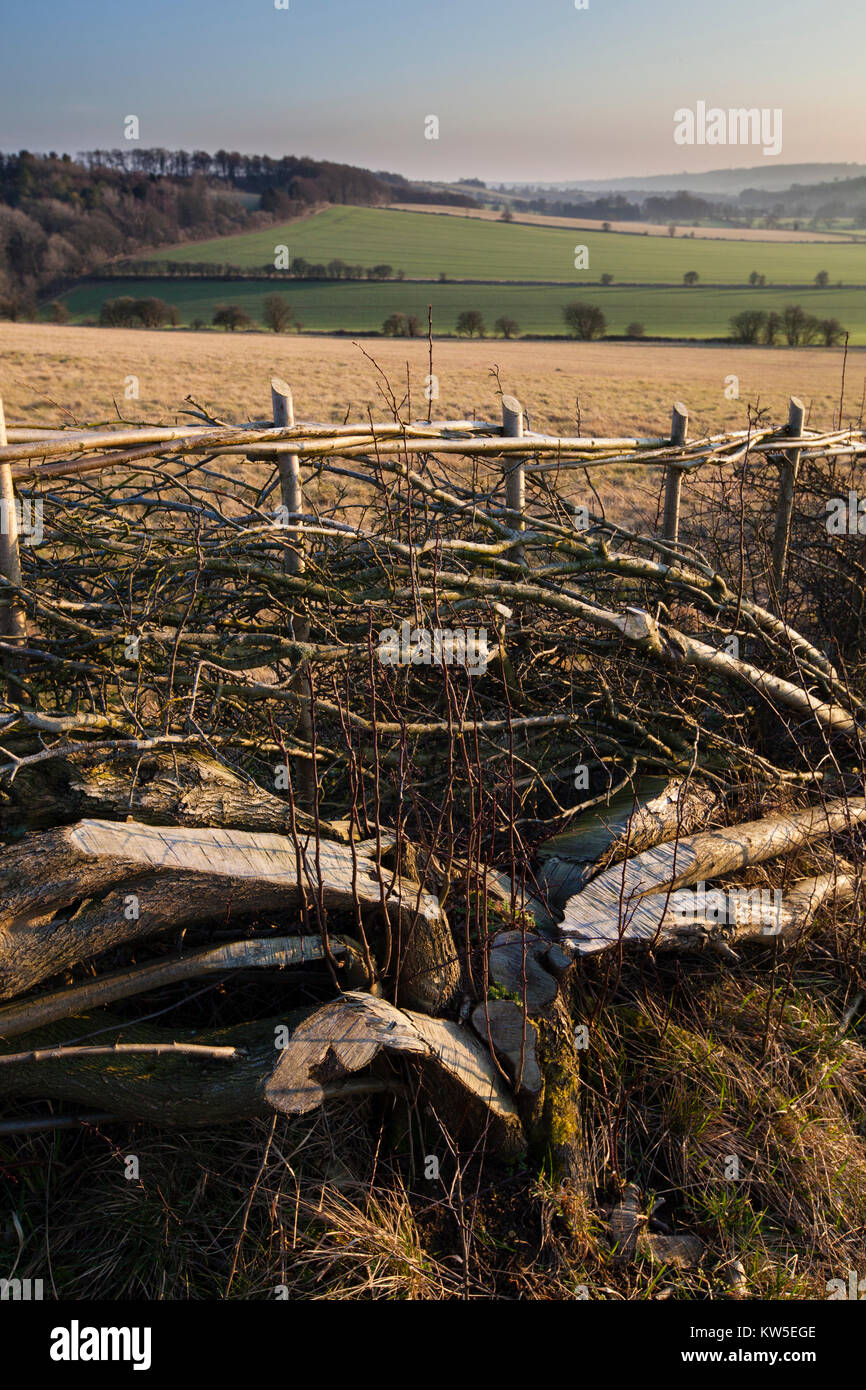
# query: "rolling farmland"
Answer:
x=668 y=311
x=522 y=272
x=425 y=245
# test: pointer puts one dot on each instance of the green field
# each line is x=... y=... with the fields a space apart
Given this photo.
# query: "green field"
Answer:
x=427 y=244
x=668 y=312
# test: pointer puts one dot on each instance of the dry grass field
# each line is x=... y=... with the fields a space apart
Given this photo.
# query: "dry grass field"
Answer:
x=51 y=374
x=537 y=219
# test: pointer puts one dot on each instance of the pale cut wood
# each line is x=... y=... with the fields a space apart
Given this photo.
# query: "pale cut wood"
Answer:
x=631 y=1238
x=346 y=1036
x=289 y=466
x=504 y=1026
x=632 y=821
x=12 y=623
x=785 y=504
x=618 y=905
x=292 y=495
x=625 y=1222
x=178 y=876
x=515 y=477
x=751 y=921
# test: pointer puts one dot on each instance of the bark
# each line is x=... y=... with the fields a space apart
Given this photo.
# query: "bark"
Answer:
x=526 y=965
x=631 y=823
x=165 y=1090
x=505 y=1028
x=556 y=1132
x=158 y=788
x=427 y=969
x=751 y=921
x=538 y=972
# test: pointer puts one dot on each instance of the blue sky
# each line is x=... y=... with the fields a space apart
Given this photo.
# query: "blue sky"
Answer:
x=523 y=89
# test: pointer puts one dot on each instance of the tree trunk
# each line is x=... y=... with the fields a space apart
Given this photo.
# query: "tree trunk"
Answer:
x=159 y=788
x=67 y=895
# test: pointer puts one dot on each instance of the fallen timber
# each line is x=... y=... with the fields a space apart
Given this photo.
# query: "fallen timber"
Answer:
x=173 y=877
x=628 y=902
x=350 y=1032
x=631 y=901
x=149 y=776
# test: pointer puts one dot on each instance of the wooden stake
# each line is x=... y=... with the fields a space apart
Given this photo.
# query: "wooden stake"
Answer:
x=674 y=478
x=11 y=613
x=785 y=503
x=515 y=478
x=290 y=472
x=292 y=496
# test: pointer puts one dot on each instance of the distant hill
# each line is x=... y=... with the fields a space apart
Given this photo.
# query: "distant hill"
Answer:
x=770 y=178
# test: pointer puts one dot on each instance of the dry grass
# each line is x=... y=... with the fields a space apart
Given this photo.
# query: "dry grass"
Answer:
x=48 y=373
x=537 y=219
x=691 y=1061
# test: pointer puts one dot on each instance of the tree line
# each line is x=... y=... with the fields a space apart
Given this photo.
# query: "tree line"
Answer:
x=64 y=218
x=793 y=325
x=299 y=269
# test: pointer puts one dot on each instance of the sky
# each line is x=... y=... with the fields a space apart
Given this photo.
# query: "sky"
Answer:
x=523 y=90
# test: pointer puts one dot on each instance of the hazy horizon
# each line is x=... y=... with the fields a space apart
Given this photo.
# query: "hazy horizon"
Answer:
x=524 y=92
